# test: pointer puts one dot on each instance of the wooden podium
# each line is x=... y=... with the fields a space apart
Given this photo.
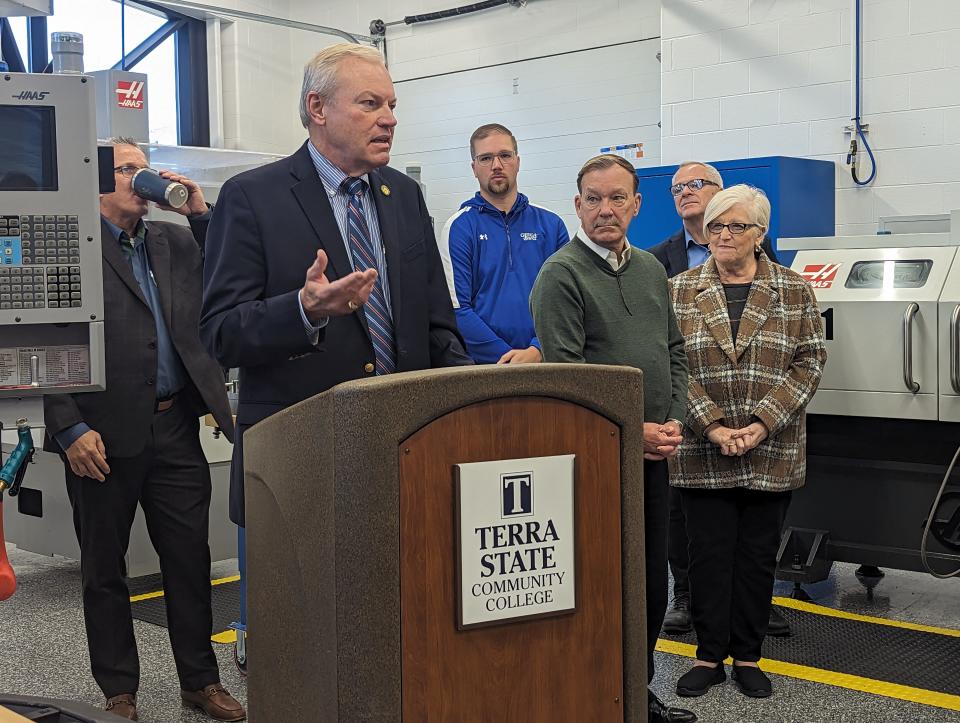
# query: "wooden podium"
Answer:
x=353 y=555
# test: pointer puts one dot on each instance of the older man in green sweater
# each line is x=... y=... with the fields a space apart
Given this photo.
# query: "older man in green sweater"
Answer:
x=599 y=301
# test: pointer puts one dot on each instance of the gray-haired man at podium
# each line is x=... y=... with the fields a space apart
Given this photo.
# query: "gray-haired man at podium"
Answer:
x=599 y=301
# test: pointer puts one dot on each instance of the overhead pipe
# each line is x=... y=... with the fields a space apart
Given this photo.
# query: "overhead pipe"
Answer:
x=269 y=20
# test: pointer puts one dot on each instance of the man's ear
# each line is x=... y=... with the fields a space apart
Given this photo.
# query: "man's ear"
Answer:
x=316 y=108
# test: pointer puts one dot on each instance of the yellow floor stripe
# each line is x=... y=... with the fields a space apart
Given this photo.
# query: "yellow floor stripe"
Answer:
x=146 y=596
x=227 y=636
x=159 y=593
x=807 y=607
x=829 y=677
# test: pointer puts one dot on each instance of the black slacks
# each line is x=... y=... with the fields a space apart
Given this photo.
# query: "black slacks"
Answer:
x=656 y=492
x=734 y=535
x=677 y=546
x=171 y=481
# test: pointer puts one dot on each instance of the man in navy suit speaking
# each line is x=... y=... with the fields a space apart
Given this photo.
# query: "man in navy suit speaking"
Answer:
x=323 y=267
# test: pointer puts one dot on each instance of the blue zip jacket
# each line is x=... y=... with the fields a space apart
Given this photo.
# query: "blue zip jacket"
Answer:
x=491 y=260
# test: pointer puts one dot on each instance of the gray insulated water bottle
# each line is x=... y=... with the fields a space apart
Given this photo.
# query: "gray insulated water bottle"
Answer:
x=150 y=185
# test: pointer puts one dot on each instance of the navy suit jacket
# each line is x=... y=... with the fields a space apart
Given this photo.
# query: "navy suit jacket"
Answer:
x=672 y=253
x=266 y=228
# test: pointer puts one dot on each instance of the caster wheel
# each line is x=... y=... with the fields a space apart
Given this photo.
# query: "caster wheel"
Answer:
x=240 y=657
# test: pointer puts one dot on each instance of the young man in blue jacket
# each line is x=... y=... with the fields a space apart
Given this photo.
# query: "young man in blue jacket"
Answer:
x=492 y=251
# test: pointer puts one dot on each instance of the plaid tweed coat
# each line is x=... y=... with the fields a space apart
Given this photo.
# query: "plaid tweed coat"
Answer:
x=770 y=375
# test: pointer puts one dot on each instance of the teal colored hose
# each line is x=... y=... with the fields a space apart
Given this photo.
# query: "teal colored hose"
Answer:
x=20 y=455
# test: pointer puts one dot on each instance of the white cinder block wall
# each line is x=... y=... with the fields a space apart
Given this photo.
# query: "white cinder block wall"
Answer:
x=745 y=78
x=455 y=74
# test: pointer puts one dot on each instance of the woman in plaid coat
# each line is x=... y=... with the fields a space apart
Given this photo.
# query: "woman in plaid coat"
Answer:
x=755 y=347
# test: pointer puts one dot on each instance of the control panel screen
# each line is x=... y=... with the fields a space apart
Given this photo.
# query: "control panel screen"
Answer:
x=28 y=153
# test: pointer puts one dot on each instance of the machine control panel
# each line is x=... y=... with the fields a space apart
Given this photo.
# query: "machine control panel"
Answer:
x=51 y=286
x=49 y=239
x=40 y=262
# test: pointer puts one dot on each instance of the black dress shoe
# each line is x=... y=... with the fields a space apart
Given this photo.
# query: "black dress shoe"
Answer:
x=678 y=620
x=777 y=625
x=658 y=712
x=752 y=681
x=699 y=680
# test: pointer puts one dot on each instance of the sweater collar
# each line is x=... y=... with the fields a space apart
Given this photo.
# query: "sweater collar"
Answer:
x=594 y=257
x=608 y=257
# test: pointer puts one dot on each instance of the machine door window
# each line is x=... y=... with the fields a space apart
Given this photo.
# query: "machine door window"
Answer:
x=889 y=274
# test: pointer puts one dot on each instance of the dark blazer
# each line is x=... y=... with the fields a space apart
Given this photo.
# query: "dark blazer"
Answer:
x=266 y=229
x=672 y=253
x=123 y=414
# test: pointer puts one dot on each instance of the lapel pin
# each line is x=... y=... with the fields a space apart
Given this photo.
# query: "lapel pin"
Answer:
x=385 y=189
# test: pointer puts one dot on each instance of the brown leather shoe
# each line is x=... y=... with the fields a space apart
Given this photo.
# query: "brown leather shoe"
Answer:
x=123 y=705
x=215 y=701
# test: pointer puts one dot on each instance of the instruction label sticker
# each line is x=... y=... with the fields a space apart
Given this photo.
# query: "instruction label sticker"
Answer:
x=57 y=365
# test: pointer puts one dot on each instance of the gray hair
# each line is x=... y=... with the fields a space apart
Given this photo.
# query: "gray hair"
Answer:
x=123 y=141
x=711 y=173
x=752 y=199
x=320 y=74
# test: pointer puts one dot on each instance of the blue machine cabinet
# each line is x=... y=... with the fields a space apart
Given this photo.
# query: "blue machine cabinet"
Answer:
x=801 y=193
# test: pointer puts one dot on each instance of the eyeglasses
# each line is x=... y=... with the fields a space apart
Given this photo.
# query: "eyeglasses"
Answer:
x=716 y=228
x=485 y=159
x=618 y=200
x=130 y=171
x=694 y=185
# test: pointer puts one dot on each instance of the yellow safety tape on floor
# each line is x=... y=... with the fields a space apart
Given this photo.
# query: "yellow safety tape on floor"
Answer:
x=829 y=677
x=227 y=636
x=159 y=593
x=807 y=607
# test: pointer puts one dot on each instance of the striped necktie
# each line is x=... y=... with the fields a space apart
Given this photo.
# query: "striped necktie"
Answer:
x=379 y=322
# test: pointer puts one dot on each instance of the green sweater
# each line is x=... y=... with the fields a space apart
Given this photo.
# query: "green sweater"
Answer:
x=584 y=311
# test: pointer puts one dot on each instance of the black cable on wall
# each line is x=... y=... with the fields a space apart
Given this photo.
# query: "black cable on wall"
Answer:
x=453 y=12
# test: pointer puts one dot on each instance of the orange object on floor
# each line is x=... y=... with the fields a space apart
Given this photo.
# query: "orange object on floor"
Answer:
x=8 y=581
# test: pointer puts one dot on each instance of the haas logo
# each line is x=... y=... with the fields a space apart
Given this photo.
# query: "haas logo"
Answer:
x=820 y=276
x=130 y=94
x=31 y=95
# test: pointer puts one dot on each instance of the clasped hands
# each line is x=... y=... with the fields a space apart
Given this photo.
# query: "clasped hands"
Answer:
x=661 y=440
x=736 y=442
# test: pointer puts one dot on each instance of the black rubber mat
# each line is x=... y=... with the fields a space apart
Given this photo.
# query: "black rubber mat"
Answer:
x=225 y=596
x=918 y=659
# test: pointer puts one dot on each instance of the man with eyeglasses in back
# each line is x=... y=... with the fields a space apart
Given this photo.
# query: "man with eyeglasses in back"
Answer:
x=599 y=300
x=694 y=184
x=492 y=250
x=138 y=442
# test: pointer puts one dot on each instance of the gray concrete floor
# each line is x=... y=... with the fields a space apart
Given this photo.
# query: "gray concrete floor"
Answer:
x=900 y=595
x=43 y=648
x=43 y=651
